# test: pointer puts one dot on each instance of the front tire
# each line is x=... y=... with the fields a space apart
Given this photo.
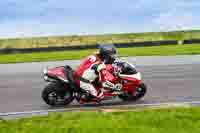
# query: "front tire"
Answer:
x=55 y=94
x=140 y=92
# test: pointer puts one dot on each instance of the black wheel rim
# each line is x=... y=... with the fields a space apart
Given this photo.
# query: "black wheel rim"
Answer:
x=59 y=98
x=139 y=92
x=52 y=97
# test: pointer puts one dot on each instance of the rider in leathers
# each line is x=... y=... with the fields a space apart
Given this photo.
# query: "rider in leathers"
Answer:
x=94 y=67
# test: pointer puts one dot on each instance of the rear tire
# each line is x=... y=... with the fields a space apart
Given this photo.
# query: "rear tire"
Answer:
x=55 y=94
x=140 y=92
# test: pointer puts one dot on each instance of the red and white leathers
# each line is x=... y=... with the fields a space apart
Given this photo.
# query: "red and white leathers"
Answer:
x=90 y=69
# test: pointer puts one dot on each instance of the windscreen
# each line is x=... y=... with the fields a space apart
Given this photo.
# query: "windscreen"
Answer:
x=127 y=68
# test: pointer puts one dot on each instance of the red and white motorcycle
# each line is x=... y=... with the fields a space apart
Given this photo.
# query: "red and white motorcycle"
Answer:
x=59 y=91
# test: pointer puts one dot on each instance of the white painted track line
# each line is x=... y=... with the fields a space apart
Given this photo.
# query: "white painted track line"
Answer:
x=45 y=112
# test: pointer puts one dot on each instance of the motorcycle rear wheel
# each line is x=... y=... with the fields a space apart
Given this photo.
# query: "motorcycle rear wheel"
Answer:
x=54 y=94
x=140 y=92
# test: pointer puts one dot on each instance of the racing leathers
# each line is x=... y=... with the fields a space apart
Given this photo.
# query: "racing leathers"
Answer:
x=90 y=69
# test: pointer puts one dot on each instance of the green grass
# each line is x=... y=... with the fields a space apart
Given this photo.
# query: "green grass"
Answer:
x=54 y=41
x=171 y=120
x=71 y=55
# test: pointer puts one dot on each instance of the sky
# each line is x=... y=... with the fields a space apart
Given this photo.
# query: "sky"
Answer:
x=32 y=18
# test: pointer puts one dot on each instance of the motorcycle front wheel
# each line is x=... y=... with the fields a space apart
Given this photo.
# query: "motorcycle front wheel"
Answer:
x=54 y=94
x=139 y=93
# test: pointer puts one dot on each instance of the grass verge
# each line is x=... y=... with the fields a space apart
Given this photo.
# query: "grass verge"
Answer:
x=171 y=120
x=72 y=55
x=53 y=41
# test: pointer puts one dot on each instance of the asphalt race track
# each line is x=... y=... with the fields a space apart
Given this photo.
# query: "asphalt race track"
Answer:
x=169 y=79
